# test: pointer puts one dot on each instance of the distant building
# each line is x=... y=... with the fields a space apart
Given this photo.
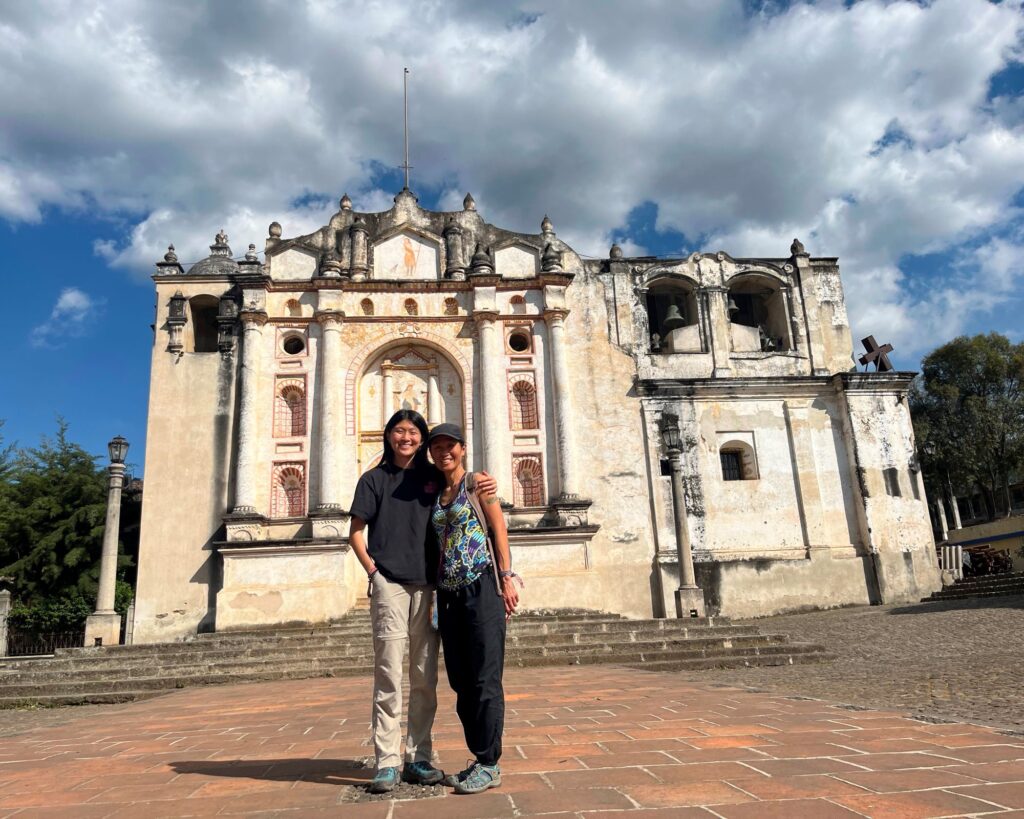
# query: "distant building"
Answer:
x=271 y=382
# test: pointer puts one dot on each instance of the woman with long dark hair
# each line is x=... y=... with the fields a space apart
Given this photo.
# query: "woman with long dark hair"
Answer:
x=395 y=499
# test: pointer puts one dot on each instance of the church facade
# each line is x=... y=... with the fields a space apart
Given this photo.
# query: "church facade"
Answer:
x=272 y=380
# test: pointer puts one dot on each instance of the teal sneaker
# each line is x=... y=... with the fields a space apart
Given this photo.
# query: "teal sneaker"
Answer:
x=454 y=779
x=479 y=779
x=421 y=773
x=385 y=781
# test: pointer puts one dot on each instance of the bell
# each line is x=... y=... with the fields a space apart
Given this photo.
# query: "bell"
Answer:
x=733 y=307
x=673 y=319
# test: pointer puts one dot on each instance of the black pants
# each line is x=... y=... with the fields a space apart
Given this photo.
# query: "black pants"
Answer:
x=472 y=625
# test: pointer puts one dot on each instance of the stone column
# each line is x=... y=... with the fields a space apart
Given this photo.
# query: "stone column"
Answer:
x=5 y=612
x=568 y=476
x=940 y=508
x=103 y=626
x=689 y=596
x=433 y=396
x=331 y=410
x=954 y=507
x=385 y=391
x=492 y=394
x=248 y=428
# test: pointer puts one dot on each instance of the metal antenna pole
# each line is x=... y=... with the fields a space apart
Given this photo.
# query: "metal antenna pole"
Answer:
x=405 y=82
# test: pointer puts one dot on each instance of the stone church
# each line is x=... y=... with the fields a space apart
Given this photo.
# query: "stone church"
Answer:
x=272 y=380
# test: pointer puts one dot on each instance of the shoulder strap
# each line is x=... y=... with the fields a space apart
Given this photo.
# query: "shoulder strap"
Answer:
x=474 y=501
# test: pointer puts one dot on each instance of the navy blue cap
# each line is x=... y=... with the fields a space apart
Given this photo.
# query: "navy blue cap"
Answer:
x=453 y=431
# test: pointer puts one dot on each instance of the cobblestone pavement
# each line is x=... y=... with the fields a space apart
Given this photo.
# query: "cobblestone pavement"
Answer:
x=958 y=659
x=581 y=742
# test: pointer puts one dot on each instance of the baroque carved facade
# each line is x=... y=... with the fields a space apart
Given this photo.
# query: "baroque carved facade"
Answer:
x=271 y=383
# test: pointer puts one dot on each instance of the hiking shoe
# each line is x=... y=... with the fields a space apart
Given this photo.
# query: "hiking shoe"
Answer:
x=421 y=773
x=454 y=779
x=385 y=781
x=479 y=779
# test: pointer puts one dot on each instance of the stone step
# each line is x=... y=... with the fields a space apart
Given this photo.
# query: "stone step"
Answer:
x=30 y=691
x=101 y=667
x=995 y=581
x=737 y=661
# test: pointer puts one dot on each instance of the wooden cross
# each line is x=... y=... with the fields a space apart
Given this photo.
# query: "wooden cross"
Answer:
x=876 y=354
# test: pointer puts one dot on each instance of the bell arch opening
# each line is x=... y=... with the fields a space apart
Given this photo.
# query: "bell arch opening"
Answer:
x=758 y=315
x=672 y=317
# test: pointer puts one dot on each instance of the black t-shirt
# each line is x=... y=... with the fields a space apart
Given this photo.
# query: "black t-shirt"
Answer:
x=396 y=505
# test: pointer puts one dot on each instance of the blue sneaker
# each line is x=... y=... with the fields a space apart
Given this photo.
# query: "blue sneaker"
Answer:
x=421 y=773
x=454 y=779
x=479 y=779
x=385 y=781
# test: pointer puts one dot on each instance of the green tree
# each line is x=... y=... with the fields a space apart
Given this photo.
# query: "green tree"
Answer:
x=52 y=515
x=968 y=409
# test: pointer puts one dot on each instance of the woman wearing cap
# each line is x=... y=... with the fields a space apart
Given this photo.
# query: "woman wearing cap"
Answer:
x=396 y=498
x=476 y=594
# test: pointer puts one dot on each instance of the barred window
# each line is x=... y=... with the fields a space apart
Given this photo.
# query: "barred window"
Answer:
x=528 y=488
x=732 y=469
x=290 y=409
x=289 y=491
x=524 y=406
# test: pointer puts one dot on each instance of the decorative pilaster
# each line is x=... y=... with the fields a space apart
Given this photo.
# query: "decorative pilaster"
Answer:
x=248 y=432
x=386 y=390
x=331 y=411
x=568 y=476
x=492 y=393
x=358 y=256
x=176 y=320
x=720 y=327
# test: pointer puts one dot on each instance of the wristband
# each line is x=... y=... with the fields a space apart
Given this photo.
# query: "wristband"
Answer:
x=371 y=574
x=509 y=573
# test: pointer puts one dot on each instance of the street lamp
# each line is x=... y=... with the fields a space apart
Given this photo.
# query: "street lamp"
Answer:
x=103 y=626
x=689 y=596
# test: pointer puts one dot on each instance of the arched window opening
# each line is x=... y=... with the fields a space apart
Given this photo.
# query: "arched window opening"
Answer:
x=759 y=316
x=411 y=308
x=366 y=307
x=524 y=406
x=290 y=408
x=738 y=462
x=451 y=307
x=528 y=489
x=289 y=491
x=293 y=307
x=672 y=317
x=203 y=337
x=517 y=304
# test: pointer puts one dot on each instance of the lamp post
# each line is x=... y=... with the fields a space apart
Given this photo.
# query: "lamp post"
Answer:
x=103 y=626
x=689 y=596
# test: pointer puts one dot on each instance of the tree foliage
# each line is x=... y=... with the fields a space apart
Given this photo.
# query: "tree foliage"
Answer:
x=53 y=504
x=968 y=409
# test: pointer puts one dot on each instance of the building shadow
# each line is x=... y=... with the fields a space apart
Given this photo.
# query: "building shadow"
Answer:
x=1009 y=602
x=326 y=771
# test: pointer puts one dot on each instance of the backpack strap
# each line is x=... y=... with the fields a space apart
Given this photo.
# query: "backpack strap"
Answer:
x=474 y=501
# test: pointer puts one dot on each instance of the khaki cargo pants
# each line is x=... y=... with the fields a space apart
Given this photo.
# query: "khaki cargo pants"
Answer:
x=401 y=615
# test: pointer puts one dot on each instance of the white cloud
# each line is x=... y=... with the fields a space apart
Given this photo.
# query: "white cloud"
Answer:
x=70 y=318
x=747 y=130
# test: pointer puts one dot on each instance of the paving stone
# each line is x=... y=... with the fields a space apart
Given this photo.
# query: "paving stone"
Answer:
x=788 y=809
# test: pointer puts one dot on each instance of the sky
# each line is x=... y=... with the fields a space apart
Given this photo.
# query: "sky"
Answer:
x=889 y=134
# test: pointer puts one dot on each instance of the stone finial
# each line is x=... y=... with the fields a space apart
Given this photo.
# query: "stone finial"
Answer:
x=797 y=248
x=546 y=226
x=482 y=262
x=220 y=245
x=551 y=259
x=170 y=256
x=615 y=252
x=451 y=226
x=345 y=203
x=469 y=203
x=274 y=230
x=251 y=255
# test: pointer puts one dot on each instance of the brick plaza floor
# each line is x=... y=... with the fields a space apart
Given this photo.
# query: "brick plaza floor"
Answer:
x=582 y=741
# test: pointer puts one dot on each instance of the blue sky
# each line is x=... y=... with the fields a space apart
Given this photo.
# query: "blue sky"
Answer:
x=890 y=134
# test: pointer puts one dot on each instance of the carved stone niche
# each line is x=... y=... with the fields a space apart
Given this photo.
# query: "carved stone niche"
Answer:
x=572 y=511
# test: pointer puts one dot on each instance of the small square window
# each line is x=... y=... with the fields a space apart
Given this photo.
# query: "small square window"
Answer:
x=892 y=481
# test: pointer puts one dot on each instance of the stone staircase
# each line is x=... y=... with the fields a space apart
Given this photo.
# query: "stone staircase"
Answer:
x=121 y=673
x=993 y=585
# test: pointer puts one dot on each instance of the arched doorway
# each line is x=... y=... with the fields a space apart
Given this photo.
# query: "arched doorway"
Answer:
x=408 y=376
